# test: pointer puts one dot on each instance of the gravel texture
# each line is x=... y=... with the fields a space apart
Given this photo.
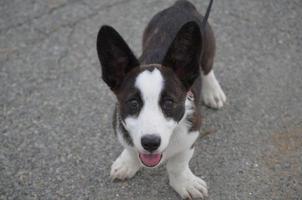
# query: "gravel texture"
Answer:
x=56 y=139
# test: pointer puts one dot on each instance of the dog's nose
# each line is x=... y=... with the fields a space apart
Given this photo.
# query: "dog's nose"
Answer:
x=150 y=142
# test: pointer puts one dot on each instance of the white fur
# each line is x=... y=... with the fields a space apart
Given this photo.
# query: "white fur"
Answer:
x=176 y=139
x=213 y=95
x=125 y=166
x=181 y=140
x=181 y=178
x=151 y=119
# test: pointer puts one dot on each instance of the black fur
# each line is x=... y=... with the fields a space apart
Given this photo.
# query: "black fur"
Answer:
x=117 y=125
x=177 y=41
x=115 y=56
x=184 y=54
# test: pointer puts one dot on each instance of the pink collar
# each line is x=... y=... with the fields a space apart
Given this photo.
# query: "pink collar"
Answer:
x=190 y=95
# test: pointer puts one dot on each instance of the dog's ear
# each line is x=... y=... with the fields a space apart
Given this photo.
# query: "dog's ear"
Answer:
x=183 y=55
x=115 y=56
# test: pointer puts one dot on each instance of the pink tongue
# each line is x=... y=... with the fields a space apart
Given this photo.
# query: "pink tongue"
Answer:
x=150 y=160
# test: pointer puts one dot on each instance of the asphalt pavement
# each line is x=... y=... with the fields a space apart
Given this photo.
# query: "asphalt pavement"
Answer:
x=56 y=138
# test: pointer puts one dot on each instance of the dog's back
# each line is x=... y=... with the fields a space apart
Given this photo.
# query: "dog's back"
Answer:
x=157 y=35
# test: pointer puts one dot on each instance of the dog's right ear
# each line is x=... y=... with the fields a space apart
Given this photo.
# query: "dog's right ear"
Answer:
x=115 y=56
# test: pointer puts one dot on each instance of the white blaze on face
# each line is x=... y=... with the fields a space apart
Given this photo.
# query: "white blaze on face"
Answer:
x=151 y=119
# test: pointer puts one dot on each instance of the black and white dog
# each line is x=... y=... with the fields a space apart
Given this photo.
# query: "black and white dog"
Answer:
x=157 y=117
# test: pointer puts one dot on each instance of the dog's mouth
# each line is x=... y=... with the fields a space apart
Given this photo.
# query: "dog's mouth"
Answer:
x=150 y=160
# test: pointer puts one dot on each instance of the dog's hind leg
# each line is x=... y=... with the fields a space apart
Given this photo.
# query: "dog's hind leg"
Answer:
x=125 y=166
x=181 y=178
x=212 y=94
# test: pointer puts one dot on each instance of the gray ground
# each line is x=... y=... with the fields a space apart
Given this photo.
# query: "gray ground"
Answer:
x=55 y=112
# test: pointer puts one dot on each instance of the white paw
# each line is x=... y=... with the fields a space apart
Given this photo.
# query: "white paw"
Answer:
x=212 y=94
x=189 y=186
x=124 y=167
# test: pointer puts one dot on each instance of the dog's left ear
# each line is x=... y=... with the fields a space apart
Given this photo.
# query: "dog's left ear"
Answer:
x=115 y=56
x=183 y=55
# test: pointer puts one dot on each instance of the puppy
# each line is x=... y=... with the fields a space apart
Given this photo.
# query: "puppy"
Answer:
x=157 y=117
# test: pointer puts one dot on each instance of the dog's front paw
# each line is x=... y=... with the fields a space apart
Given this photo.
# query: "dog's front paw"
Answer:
x=125 y=166
x=212 y=94
x=189 y=186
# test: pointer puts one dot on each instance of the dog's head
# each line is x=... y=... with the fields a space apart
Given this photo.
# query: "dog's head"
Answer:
x=151 y=98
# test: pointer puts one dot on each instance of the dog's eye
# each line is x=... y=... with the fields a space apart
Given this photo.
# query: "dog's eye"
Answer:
x=133 y=105
x=168 y=104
